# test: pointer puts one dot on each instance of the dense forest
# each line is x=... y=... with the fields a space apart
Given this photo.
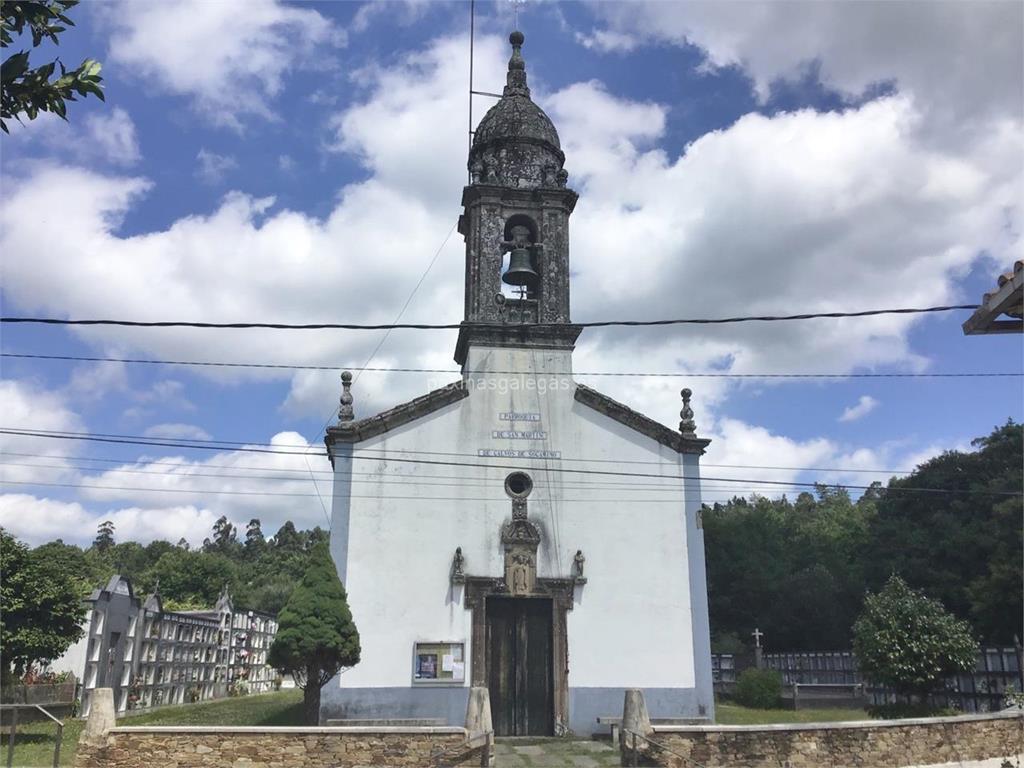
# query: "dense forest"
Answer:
x=797 y=570
x=259 y=572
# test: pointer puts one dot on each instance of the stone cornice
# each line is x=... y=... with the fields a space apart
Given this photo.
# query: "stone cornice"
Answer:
x=529 y=335
x=498 y=193
x=364 y=429
x=640 y=423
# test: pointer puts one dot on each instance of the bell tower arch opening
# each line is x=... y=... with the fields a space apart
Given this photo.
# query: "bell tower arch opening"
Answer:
x=515 y=222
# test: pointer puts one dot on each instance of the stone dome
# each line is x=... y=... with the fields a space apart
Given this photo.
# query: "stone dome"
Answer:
x=515 y=116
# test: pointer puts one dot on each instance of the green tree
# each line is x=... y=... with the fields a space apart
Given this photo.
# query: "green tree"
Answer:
x=316 y=637
x=29 y=90
x=255 y=543
x=909 y=642
x=104 y=536
x=962 y=548
x=42 y=607
x=192 y=577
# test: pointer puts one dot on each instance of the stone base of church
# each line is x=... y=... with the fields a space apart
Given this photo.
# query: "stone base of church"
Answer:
x=588 y=704
x=448 y=703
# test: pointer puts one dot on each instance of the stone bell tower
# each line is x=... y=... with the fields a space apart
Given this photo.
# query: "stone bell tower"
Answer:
x=516 y=225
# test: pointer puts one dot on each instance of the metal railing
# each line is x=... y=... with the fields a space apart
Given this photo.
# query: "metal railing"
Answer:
x=481 y=741
x=635 y=752
x=14 y=731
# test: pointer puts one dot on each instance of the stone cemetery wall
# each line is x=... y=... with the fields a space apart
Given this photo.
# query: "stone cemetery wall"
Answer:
x=245 y=747
x=926 y=741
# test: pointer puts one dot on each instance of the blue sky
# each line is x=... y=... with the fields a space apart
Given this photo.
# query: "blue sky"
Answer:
x=303 y=162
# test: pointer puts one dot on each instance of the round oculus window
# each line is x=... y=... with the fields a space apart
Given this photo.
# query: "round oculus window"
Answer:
x=518 y=485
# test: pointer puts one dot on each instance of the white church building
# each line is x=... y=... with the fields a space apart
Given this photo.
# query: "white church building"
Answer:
x=515 y=529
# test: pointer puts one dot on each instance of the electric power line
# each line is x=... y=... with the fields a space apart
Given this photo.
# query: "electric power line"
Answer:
x=456 y=326
x=435 y=462
x=457 y=372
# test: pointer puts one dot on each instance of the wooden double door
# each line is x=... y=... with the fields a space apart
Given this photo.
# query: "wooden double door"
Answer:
x=519 y=650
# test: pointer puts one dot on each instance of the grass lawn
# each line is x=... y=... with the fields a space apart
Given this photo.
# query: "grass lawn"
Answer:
x=734 y=714
x=34 y=744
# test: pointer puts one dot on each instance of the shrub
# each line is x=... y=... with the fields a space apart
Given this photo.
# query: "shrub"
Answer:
x=759 y=688
x=909 y=642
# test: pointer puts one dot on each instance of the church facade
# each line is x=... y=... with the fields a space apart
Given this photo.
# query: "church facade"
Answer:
x=516 y=529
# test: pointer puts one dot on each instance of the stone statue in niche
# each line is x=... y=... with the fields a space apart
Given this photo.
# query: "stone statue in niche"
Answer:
x=476 y=171
x=521 y=574
x=458 y=567
x=577 y=567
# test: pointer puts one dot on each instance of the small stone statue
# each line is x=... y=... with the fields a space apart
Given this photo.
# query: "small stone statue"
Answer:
x=458 y=567
x=549 y=175
x=687 y=426
x=476 y=171
x=577 y=564
x=563 y=177
x=345 y=411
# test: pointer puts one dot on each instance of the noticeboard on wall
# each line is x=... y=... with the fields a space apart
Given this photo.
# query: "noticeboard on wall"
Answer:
x=438 y=663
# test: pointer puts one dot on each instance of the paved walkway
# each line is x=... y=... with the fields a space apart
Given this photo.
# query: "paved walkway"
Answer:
x=554 y=753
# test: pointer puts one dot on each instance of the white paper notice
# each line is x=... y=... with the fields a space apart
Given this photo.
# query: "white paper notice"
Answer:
x=457 y=652
x=446 y=662
x=459 y=671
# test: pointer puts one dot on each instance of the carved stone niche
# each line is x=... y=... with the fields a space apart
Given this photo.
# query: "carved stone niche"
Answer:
x=520 y=539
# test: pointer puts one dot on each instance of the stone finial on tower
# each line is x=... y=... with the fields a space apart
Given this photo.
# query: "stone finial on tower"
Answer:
x=515 y=80
x=345 y=411
x=687 y=426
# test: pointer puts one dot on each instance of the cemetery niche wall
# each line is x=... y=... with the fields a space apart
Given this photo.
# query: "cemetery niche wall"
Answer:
x=152 y=657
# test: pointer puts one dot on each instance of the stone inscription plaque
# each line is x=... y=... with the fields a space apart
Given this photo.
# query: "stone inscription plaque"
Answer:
x=515 y=434
x=517 y=453
x=518 y=416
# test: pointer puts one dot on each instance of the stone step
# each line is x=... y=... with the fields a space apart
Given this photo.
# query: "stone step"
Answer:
x=528 y=752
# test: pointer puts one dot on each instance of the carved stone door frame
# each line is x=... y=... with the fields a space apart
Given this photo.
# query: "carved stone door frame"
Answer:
x=560 y=592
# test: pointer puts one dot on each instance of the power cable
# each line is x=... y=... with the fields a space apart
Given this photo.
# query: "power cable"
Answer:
x=467 y=324
x=435 y=462
x=457 y=372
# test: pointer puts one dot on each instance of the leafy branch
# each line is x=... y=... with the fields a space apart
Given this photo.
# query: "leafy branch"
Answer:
x=28 y=90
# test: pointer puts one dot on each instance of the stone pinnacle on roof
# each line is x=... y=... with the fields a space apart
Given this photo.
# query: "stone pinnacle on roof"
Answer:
x=515 y=80
x=345 y=410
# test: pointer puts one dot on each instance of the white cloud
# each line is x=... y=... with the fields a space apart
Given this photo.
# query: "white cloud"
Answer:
x=178 y=431
x=805 y=210
x=607 y=40
x=213 y=167
x=113 y=133
x=961 y=61
x=171 y=497
x=229 y=58
x=109 y=137
x=27 y=406
x=37 y=520
x=865 y=405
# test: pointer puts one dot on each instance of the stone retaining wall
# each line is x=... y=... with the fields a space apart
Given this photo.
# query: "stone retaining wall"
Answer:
x=879 y=743
x=226 y=747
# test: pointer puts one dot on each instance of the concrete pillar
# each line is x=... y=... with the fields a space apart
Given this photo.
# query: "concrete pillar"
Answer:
x=101 y=715
x=478 y=711
x=634 y=718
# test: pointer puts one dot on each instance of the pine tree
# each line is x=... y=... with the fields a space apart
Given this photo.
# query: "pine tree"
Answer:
x=316 y=637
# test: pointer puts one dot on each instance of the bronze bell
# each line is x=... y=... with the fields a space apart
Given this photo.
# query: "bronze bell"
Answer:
x=520 y=270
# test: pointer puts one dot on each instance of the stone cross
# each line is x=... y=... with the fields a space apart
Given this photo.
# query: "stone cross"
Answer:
x=758 y=652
